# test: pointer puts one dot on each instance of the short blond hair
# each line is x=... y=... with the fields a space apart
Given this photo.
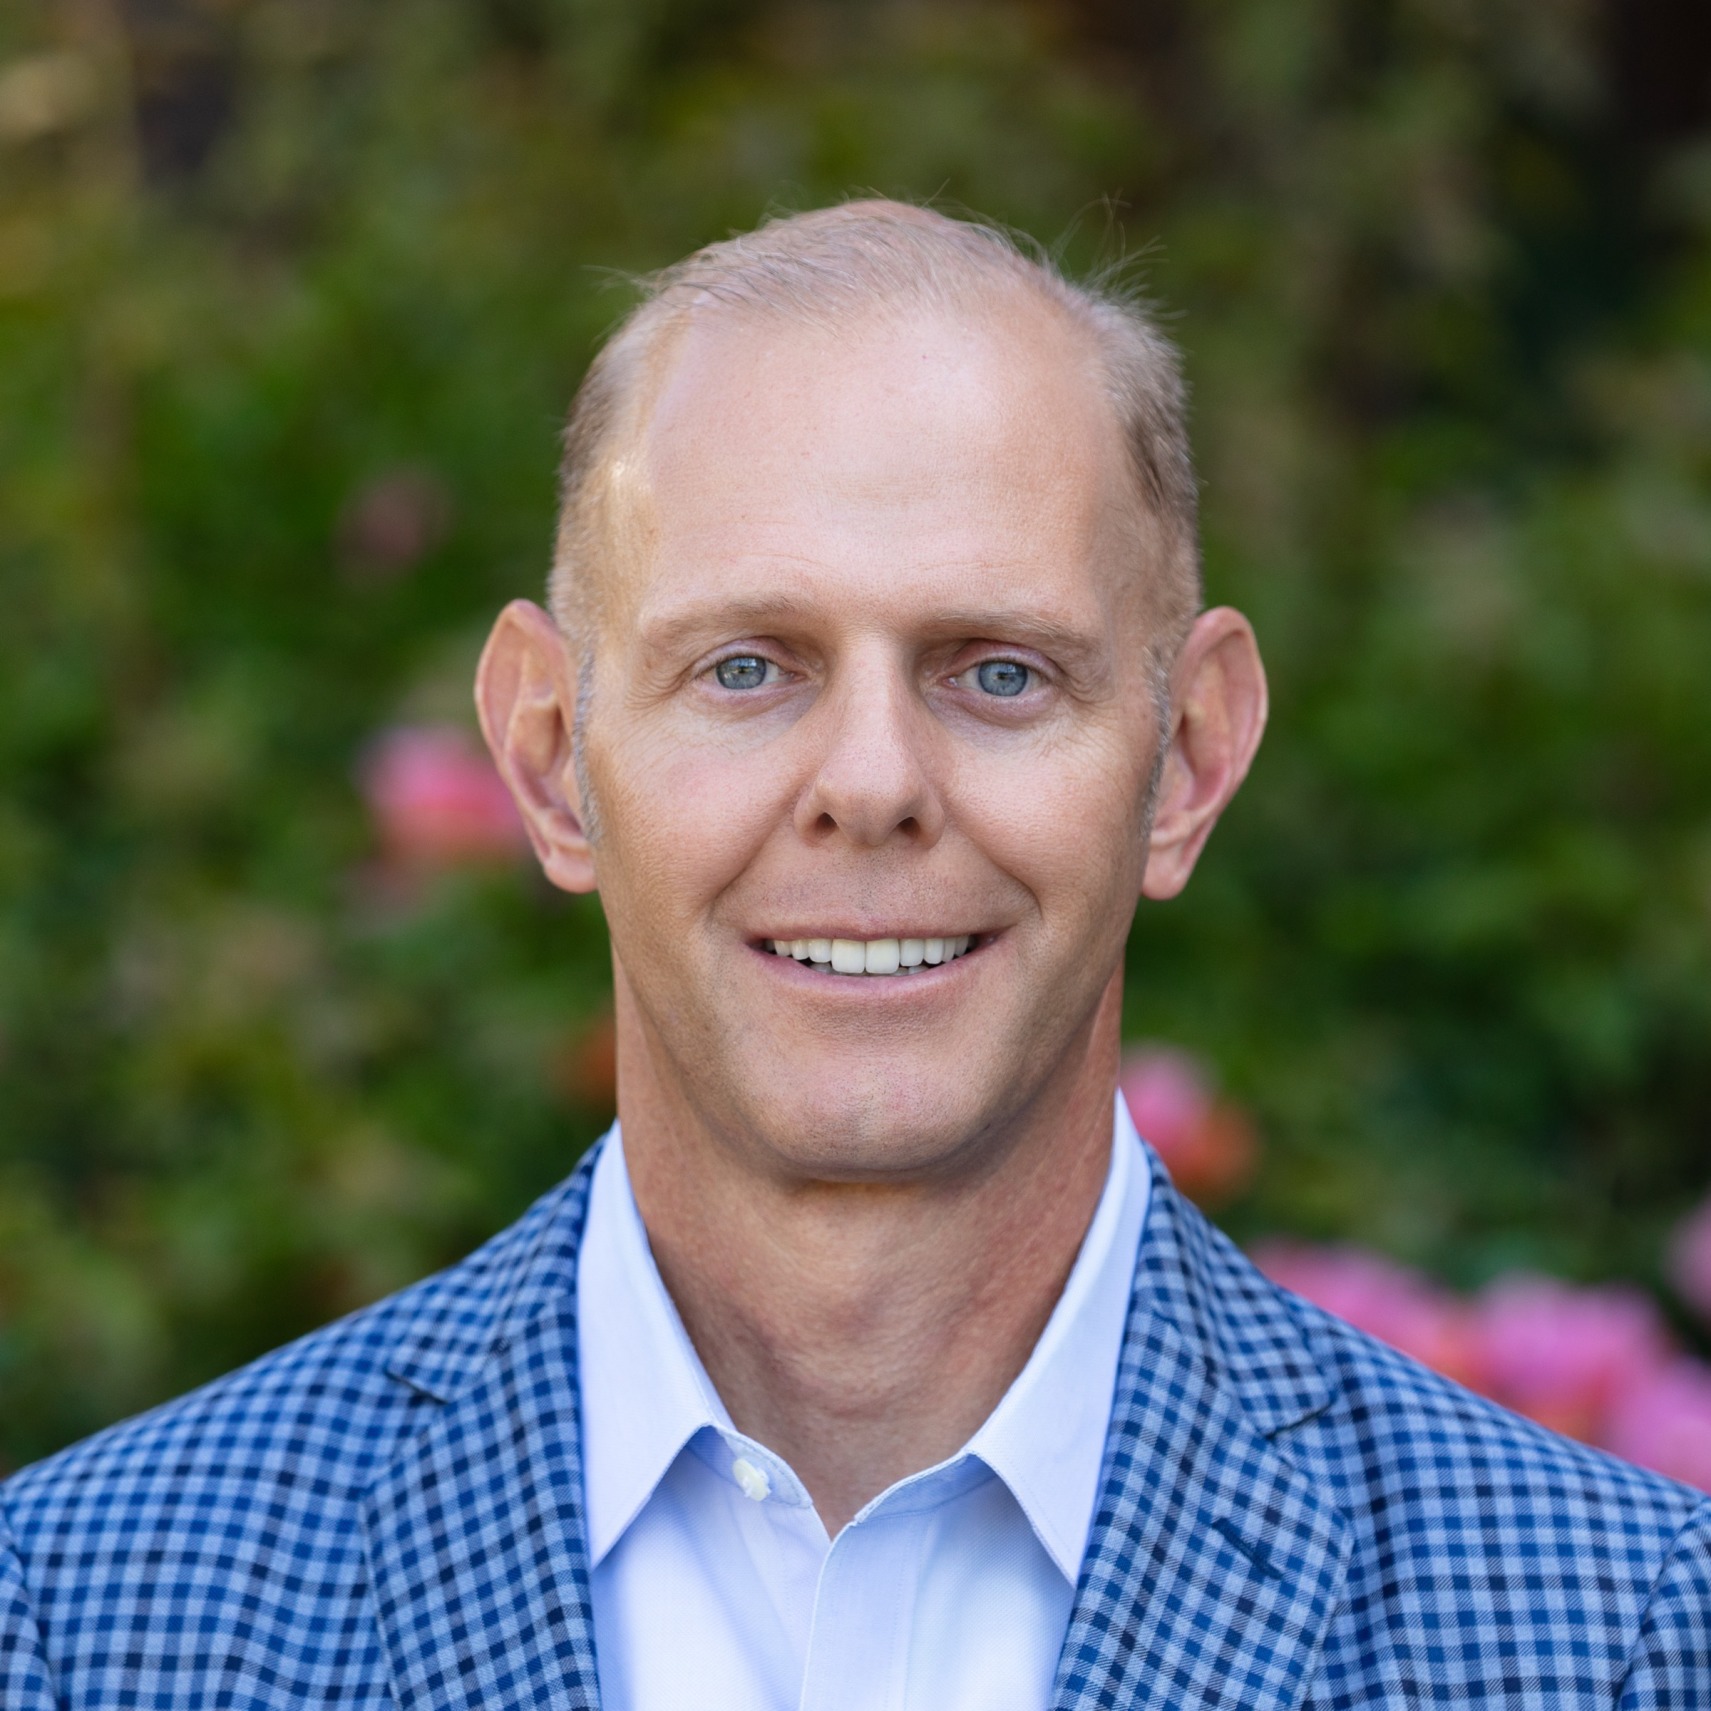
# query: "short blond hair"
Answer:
x=823 y=267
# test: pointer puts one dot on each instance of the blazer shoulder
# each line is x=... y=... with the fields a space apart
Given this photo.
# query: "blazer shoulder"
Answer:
x=1390 y=1434
x=1465 y=1449
x=305 y=1427
x=1479 y=1536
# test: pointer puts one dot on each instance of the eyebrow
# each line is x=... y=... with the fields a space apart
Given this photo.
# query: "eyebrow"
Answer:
x=760 y=615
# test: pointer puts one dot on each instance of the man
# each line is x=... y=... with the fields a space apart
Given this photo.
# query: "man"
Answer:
x=871 y=1361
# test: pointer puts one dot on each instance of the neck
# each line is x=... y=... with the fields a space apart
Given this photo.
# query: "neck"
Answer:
x=864 y=1331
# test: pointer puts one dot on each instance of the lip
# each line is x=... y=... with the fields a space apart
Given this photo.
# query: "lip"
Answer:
x=865 y=934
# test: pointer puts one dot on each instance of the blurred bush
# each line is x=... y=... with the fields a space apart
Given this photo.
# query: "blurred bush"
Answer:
x=292 y=295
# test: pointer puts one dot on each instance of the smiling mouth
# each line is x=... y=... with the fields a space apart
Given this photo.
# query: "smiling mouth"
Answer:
x=873 y=956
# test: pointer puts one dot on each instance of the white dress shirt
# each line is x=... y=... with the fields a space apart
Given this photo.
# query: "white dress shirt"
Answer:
x=715 y=1586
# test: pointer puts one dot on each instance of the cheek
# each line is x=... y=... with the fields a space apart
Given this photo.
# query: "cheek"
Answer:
x=681 y=822
x=1067 y=826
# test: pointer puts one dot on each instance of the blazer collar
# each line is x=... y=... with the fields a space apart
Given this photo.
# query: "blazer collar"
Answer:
x=1214 y=1566
x=476 y=1542
x=1211 y=1573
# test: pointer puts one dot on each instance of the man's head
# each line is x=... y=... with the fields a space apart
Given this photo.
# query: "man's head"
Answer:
x=867 y=262
x=874 y=610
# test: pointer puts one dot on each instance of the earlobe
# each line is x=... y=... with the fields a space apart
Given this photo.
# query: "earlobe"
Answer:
x=525 y=695
x=1218 y=713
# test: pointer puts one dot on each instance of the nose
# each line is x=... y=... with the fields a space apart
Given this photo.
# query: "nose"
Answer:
x=873 y=773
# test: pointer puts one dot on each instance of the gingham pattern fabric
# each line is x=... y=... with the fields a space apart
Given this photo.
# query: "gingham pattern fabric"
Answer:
x=388 y=1513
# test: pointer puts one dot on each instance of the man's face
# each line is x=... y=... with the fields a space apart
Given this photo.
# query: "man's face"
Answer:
x=874 y=670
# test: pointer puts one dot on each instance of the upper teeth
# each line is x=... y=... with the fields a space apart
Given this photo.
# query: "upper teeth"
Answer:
x=871 y=956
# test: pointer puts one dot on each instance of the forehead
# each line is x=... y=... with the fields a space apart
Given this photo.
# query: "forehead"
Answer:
x=885 y=459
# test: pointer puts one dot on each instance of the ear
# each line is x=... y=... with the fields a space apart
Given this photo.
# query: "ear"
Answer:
x=1218 y=708
x=525 y=692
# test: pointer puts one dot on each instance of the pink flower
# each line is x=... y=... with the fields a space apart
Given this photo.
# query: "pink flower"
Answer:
x=437 y=800
x=1664 y=1422
x=1690 y=1259
x=1563 y=1354
x=1207 y=1145
x=1378 y=1296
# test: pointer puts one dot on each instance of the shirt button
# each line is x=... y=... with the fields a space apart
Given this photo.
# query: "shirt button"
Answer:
x=751 y=1480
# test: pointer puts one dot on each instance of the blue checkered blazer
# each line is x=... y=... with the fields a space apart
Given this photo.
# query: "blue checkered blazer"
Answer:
x=389 y=1514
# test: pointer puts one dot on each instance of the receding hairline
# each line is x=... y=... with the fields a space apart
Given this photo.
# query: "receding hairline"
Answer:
x=825 y=269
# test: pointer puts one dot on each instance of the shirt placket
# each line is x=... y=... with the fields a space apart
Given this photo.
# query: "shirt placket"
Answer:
x=859 y=1646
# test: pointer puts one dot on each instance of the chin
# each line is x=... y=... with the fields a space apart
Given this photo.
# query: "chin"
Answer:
x=872 y=1128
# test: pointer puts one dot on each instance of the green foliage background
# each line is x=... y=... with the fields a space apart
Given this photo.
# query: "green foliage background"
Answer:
x=1442 y=271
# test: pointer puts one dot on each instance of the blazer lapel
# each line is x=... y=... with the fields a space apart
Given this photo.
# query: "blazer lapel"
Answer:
x=475 y=1535
x=1213 y=1567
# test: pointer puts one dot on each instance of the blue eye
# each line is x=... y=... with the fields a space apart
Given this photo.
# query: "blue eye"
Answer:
x=741 y=671
x=1002 y=677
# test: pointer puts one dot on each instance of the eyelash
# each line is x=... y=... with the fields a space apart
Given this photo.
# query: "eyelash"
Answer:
x=768 y=667
x=966 y=678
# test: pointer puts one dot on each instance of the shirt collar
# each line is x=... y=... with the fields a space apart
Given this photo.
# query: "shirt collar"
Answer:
x=645 y=1393
x=1046 y=1437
